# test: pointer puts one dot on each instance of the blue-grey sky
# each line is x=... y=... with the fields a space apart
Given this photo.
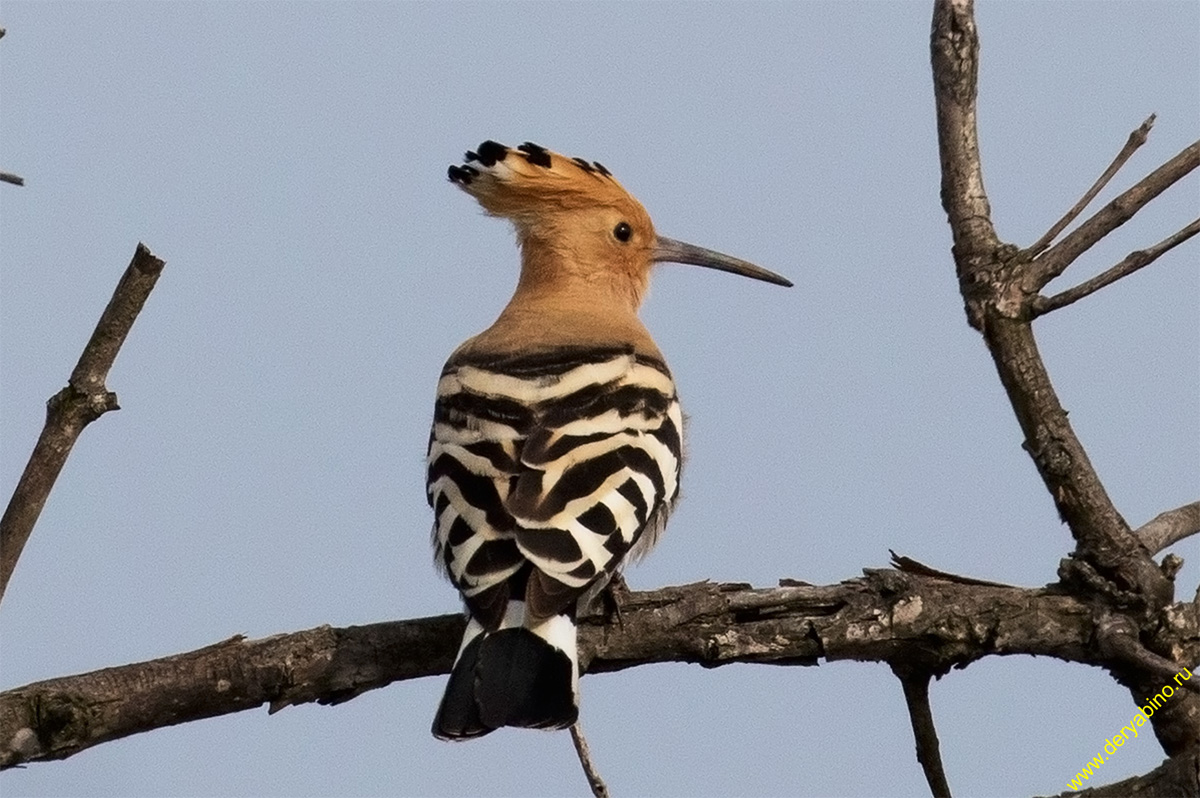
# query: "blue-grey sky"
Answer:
x=288 y=162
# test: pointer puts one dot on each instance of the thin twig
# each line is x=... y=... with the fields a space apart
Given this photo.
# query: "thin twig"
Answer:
x=1136 y=139
x=1056 y=259
x=1167 y=529
x=1130 y=264
x=916 y=696
x=83 y=401
x=599 y=788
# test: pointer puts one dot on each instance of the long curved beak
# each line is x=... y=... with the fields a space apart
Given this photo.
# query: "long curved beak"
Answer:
x=672 y=251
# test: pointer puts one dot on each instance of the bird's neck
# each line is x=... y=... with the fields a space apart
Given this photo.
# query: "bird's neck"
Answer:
x=542 y=321
x=555 y=272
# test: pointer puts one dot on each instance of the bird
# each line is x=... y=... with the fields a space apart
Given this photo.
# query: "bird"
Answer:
x=557 y=440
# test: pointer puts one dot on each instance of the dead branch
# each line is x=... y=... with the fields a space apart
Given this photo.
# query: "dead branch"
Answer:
x=885 y=616
x=1128 y=265
x=1136 y=139
x=83 y=401
x=1168 y=528
x=993 y=282
x=916 y=697
x=1055 y=260
x=597 y=785
x=9 y=177
x=955 y=55
x=999 y=285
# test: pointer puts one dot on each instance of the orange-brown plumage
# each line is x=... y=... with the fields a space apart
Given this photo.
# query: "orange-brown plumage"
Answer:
x=579 y=283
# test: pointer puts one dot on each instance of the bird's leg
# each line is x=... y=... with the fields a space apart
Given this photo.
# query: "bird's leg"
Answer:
x=611 y=597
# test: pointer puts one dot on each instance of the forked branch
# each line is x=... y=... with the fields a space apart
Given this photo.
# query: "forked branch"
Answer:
x=999 y=282
x=85 y=399
x=1136 y=139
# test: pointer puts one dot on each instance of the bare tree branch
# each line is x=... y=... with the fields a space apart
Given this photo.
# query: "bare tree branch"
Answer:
x=954 y=44
x=597 y=785
x=1055 y=260
x=1130 y=264
x=916 y=697
x=999 y=285
x=74 y=407
x=1167 y=529
x=56 y=718
x=886 y=616
x=1136 y=139
x=993 y=280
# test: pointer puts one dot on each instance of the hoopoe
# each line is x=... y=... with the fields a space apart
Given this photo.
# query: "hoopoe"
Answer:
x=556 y=444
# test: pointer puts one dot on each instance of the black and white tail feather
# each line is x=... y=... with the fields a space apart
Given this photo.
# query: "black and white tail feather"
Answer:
x=546 y=474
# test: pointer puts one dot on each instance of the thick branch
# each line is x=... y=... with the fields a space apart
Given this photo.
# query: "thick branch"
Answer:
x=1104 y=539
x=9 y=177
x=74 y=407
x=1055 y=260
x=1136 y=139
x=1130 y=264
x=886 y=616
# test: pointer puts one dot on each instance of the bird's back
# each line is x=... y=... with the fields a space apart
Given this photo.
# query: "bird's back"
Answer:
x=555 y=462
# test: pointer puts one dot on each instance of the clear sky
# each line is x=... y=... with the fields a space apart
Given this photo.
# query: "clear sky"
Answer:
x=288 y=162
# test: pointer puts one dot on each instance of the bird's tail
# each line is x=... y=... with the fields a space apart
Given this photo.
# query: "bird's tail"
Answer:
x=526 y=676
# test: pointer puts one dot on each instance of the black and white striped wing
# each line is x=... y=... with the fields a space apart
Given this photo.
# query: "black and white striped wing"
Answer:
x=473 y=457
x=569 y=464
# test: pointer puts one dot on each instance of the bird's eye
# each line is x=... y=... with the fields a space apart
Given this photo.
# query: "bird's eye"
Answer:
x=623 y=231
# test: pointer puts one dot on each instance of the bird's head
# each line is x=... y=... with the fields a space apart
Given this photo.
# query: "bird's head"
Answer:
x=576 y=225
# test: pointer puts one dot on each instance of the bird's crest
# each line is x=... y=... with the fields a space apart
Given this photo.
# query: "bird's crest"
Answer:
x=530 y=181
x=587 y=246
